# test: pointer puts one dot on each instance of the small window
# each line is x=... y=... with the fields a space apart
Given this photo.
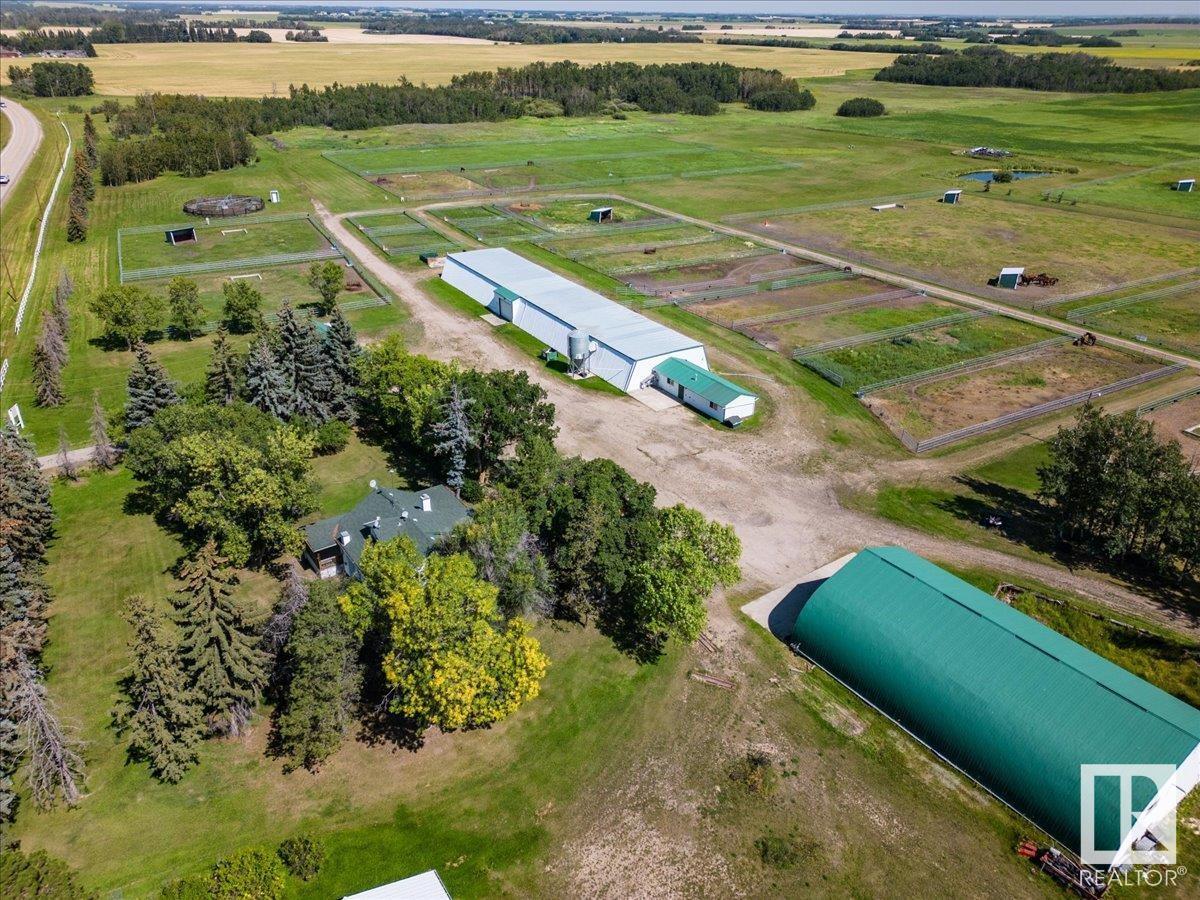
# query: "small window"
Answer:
x=670 y=381
x=711 y=405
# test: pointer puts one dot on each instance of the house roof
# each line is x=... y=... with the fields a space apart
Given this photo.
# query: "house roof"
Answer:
x=708 y=385
x=1012 y=270
x=1015 y=705
x=399 y=512
x=625 y=331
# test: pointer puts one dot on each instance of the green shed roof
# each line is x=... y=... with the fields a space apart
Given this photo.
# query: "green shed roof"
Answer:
x=1015 y=705
x=708 y=385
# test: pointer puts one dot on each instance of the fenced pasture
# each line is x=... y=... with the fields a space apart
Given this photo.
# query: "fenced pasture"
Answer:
x=728 y=274
x=934 y=407
x=1149 y=190
x=146 y=253
x=624 y=240
x=277 y=284
x=425 y=185
x=966 y=245
x=572 y=215
x=864 y=366
x=673 y=256
x=1176 y=417
x=751 y=307
x=399 y=234
x=1169 y=317
x=861 y=324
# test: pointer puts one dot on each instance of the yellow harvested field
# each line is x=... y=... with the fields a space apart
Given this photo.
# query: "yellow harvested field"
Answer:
x=251 y=70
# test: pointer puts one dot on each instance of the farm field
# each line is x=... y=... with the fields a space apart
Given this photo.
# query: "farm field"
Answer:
x=719 y=274
x=717 y=250
x=923 y=351
x=252 y=70
x=603 y=240
x=929 y=408
x=572 y=215
x=1151 y=191
x=965 y=245
x=222 y=242
x=424 y=185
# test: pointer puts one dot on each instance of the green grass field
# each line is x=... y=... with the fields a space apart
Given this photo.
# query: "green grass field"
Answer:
x=1172 y=322
x=863 y=320
x=920 y=352
x=221 y=242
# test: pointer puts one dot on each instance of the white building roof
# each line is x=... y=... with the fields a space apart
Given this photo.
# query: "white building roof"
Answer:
x=426 y=886
x=622 y=329
x=1012 y=270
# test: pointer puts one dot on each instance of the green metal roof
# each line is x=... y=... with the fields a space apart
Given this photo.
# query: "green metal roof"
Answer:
x=1015 y=705
x=708 y=385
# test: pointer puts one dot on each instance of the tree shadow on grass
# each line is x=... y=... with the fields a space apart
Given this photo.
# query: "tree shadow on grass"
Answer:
x=1027 y=521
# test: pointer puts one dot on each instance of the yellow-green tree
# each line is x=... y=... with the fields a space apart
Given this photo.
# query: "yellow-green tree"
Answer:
x=453 y=661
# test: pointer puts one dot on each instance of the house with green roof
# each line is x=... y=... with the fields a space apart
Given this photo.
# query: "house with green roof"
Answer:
x=1014 y=705
x=334 y=546
x=704 y=390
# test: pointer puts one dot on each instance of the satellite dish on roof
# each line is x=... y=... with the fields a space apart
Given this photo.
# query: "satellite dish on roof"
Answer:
x=374 y=484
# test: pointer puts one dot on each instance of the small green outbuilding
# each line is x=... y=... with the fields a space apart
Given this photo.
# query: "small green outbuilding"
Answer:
x=1016 y=706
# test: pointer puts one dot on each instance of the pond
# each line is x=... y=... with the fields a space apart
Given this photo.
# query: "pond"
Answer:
x=987 y=174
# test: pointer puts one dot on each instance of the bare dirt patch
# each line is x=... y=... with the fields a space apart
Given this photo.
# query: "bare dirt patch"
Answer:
x=930 y=408
x=803 y=296
x=424 y=184
x=1172 y=421
x=713 y=275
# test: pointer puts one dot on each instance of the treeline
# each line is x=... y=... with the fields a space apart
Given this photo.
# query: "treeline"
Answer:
x=42 y=41
x=992 y=67
x=194 y=135
x=1117 y=492
x=927 y=48
x=31 y=736
x=523 y=32
x=117 y=31
x=53 y=79
x=789 y=43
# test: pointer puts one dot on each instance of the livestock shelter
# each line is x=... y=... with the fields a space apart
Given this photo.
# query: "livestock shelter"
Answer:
x=1010 y=277
x=706 y=391
x=1187 y=185
x=627 y=344
x=600 y=215
x=1012 y=704
x=952 y=197
x=181 y=235
x=334 y=546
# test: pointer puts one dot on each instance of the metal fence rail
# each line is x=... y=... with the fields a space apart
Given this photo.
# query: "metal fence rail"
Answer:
x=828 y=374
x=1140 y=282
x=1120 y=303
x=1041 y=409
x=966 y=365
x=578 y=231
x=899 y=331
x=278 y=259
x=1161 y=402
x=804 y=312
x=235 y=221
x=822 y=273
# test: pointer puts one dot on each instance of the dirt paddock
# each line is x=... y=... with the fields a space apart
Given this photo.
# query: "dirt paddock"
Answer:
x=1170 y=423
x=715 y=275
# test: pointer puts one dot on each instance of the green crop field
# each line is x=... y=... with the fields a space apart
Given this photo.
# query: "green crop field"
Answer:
x=920 y=352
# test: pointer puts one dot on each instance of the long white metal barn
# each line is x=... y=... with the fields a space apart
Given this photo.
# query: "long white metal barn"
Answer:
x=620 y=346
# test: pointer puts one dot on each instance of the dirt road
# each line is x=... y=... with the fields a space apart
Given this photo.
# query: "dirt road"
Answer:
x=22 y=145
x=767 y=484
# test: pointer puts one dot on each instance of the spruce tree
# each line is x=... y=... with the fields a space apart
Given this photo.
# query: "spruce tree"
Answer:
x=149 y=389
x=219 y=648
x=91 y=141
x=161 y=712
x=47 y=367
x=66 y=463
x=76 y=222
x=221 y=380
x=26 y=519
x=266 y=385
x=300 y=361
x=104 y=454
x=454 y=435
x=23 y=600
x=83 y=183
x=61 y=310
x=340 y=349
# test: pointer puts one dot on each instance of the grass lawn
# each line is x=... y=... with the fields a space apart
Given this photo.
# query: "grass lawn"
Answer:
x=862 y=320
x=221 y=242
x=1172 y=322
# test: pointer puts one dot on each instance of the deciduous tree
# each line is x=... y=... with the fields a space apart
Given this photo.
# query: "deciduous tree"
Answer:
x=129 y=312
x=327 y=279
x=183 y=297
x=243 y=307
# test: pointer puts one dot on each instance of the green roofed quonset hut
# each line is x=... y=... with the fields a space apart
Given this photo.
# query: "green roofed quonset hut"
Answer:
x=1013 y=704
x=704 y=390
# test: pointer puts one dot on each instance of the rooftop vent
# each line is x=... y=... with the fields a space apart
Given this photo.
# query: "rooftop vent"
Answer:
x=426 y=503
x=344 y=538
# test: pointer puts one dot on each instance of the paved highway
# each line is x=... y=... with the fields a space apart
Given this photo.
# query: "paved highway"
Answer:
x=26 y=137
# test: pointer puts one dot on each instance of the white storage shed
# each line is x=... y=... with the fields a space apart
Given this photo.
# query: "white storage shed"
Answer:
x=624 y=346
